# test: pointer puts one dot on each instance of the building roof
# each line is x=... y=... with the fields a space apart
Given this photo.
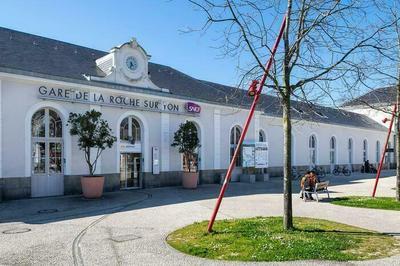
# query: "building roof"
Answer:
x=385 y=96
x=32 y=55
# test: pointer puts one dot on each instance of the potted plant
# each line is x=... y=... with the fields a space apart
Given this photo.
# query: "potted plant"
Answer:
x=187 y=141
x=94 y=136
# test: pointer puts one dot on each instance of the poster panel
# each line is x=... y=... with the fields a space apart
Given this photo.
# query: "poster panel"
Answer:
x=248 y=156
x=261 y=154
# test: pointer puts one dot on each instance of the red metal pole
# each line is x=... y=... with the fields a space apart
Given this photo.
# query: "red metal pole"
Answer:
x=246 y=126
x=378 y=173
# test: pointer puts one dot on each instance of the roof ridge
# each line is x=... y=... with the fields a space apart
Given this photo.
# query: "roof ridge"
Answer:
x=372 y=93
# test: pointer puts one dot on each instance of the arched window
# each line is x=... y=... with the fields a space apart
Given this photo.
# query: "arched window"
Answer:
x=236 y=131
x=261 y=136
x=350 y=151
x=389 y=155
x=365 y=150
x=192 y=162
x=378 y=151
x=39 y=124
x=130 y=130
x=312 y=145
x=55 y=125
x=46 y=136
x=332 y=151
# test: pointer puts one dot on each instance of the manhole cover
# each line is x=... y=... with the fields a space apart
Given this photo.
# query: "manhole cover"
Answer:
x=48 y=211
x=123 y=238
x=16 y=231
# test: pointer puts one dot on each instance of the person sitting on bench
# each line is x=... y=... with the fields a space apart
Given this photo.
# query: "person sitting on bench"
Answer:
x=367 y=167
x=314 y=177
x=307 y=183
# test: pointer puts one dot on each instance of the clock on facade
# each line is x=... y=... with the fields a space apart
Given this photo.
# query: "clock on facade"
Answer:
x=131 y=63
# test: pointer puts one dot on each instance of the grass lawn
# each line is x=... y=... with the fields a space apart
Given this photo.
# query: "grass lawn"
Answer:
x=263 y=239
x=384 y=203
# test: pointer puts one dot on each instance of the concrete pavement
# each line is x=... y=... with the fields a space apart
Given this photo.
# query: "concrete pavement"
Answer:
x=130 y=227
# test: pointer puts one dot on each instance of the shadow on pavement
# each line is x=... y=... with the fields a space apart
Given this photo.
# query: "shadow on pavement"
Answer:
x=53 y=209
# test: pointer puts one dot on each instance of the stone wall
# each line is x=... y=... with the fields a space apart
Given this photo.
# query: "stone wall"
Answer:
x=15 y=188
x=20 y=187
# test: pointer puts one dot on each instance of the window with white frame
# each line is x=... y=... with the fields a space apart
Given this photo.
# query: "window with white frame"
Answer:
x=332 y=151
x=130 y=130
x=389 y=155
x=365 y=150
x=312 y=145
x=261 y=136
x=378 y=151
x=234 y=140
x=191 y=164
x=350 y=151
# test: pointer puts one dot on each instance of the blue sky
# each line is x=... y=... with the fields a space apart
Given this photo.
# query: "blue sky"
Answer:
x=100 y=24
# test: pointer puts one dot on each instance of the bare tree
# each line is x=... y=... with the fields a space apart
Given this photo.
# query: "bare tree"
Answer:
x=324 y=45
x=392 y=71
x=396 y=17
x=384 y=70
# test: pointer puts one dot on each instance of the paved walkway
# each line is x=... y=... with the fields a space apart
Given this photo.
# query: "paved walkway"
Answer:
x=130 y=227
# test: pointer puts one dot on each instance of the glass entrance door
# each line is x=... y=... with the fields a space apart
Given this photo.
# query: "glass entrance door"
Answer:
x=47 y=154
x=130 y=170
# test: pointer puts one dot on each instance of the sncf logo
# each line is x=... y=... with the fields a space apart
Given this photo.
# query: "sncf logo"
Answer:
x=192 y=107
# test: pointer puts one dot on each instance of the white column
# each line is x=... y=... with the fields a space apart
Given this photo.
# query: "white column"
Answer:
x=256 y=126
x=165 y=142
x=93 y=151
x=1 y=130
x=217 y=139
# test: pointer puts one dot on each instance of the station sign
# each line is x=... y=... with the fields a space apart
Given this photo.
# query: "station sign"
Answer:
x=118 y=100
x=192 y=107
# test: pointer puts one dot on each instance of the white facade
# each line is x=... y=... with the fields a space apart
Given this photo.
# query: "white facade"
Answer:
x=382 y=114
x=21 y=96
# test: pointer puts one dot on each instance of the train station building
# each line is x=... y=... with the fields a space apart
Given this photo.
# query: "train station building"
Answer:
x=42 y=80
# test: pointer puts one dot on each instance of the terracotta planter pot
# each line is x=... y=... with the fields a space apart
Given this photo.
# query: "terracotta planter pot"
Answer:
x=189 y=180
x=92 y=186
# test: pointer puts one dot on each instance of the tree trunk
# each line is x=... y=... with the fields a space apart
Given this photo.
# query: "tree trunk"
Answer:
x=88 y=153
x=398 y=142
x=397 y=158
x=287 y=165
x=287 y=131
x=187 y=161
x=397 y=116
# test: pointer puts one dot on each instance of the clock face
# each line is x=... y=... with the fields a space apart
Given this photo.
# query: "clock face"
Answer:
x=131 y=63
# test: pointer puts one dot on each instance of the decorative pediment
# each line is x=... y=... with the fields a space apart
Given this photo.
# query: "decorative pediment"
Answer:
x=126 y=64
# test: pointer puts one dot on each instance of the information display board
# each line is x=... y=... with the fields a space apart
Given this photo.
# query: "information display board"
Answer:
x=261 y=154
x=248 y=155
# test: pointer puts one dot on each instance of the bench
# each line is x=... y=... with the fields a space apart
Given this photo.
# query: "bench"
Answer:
x=321 y=187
